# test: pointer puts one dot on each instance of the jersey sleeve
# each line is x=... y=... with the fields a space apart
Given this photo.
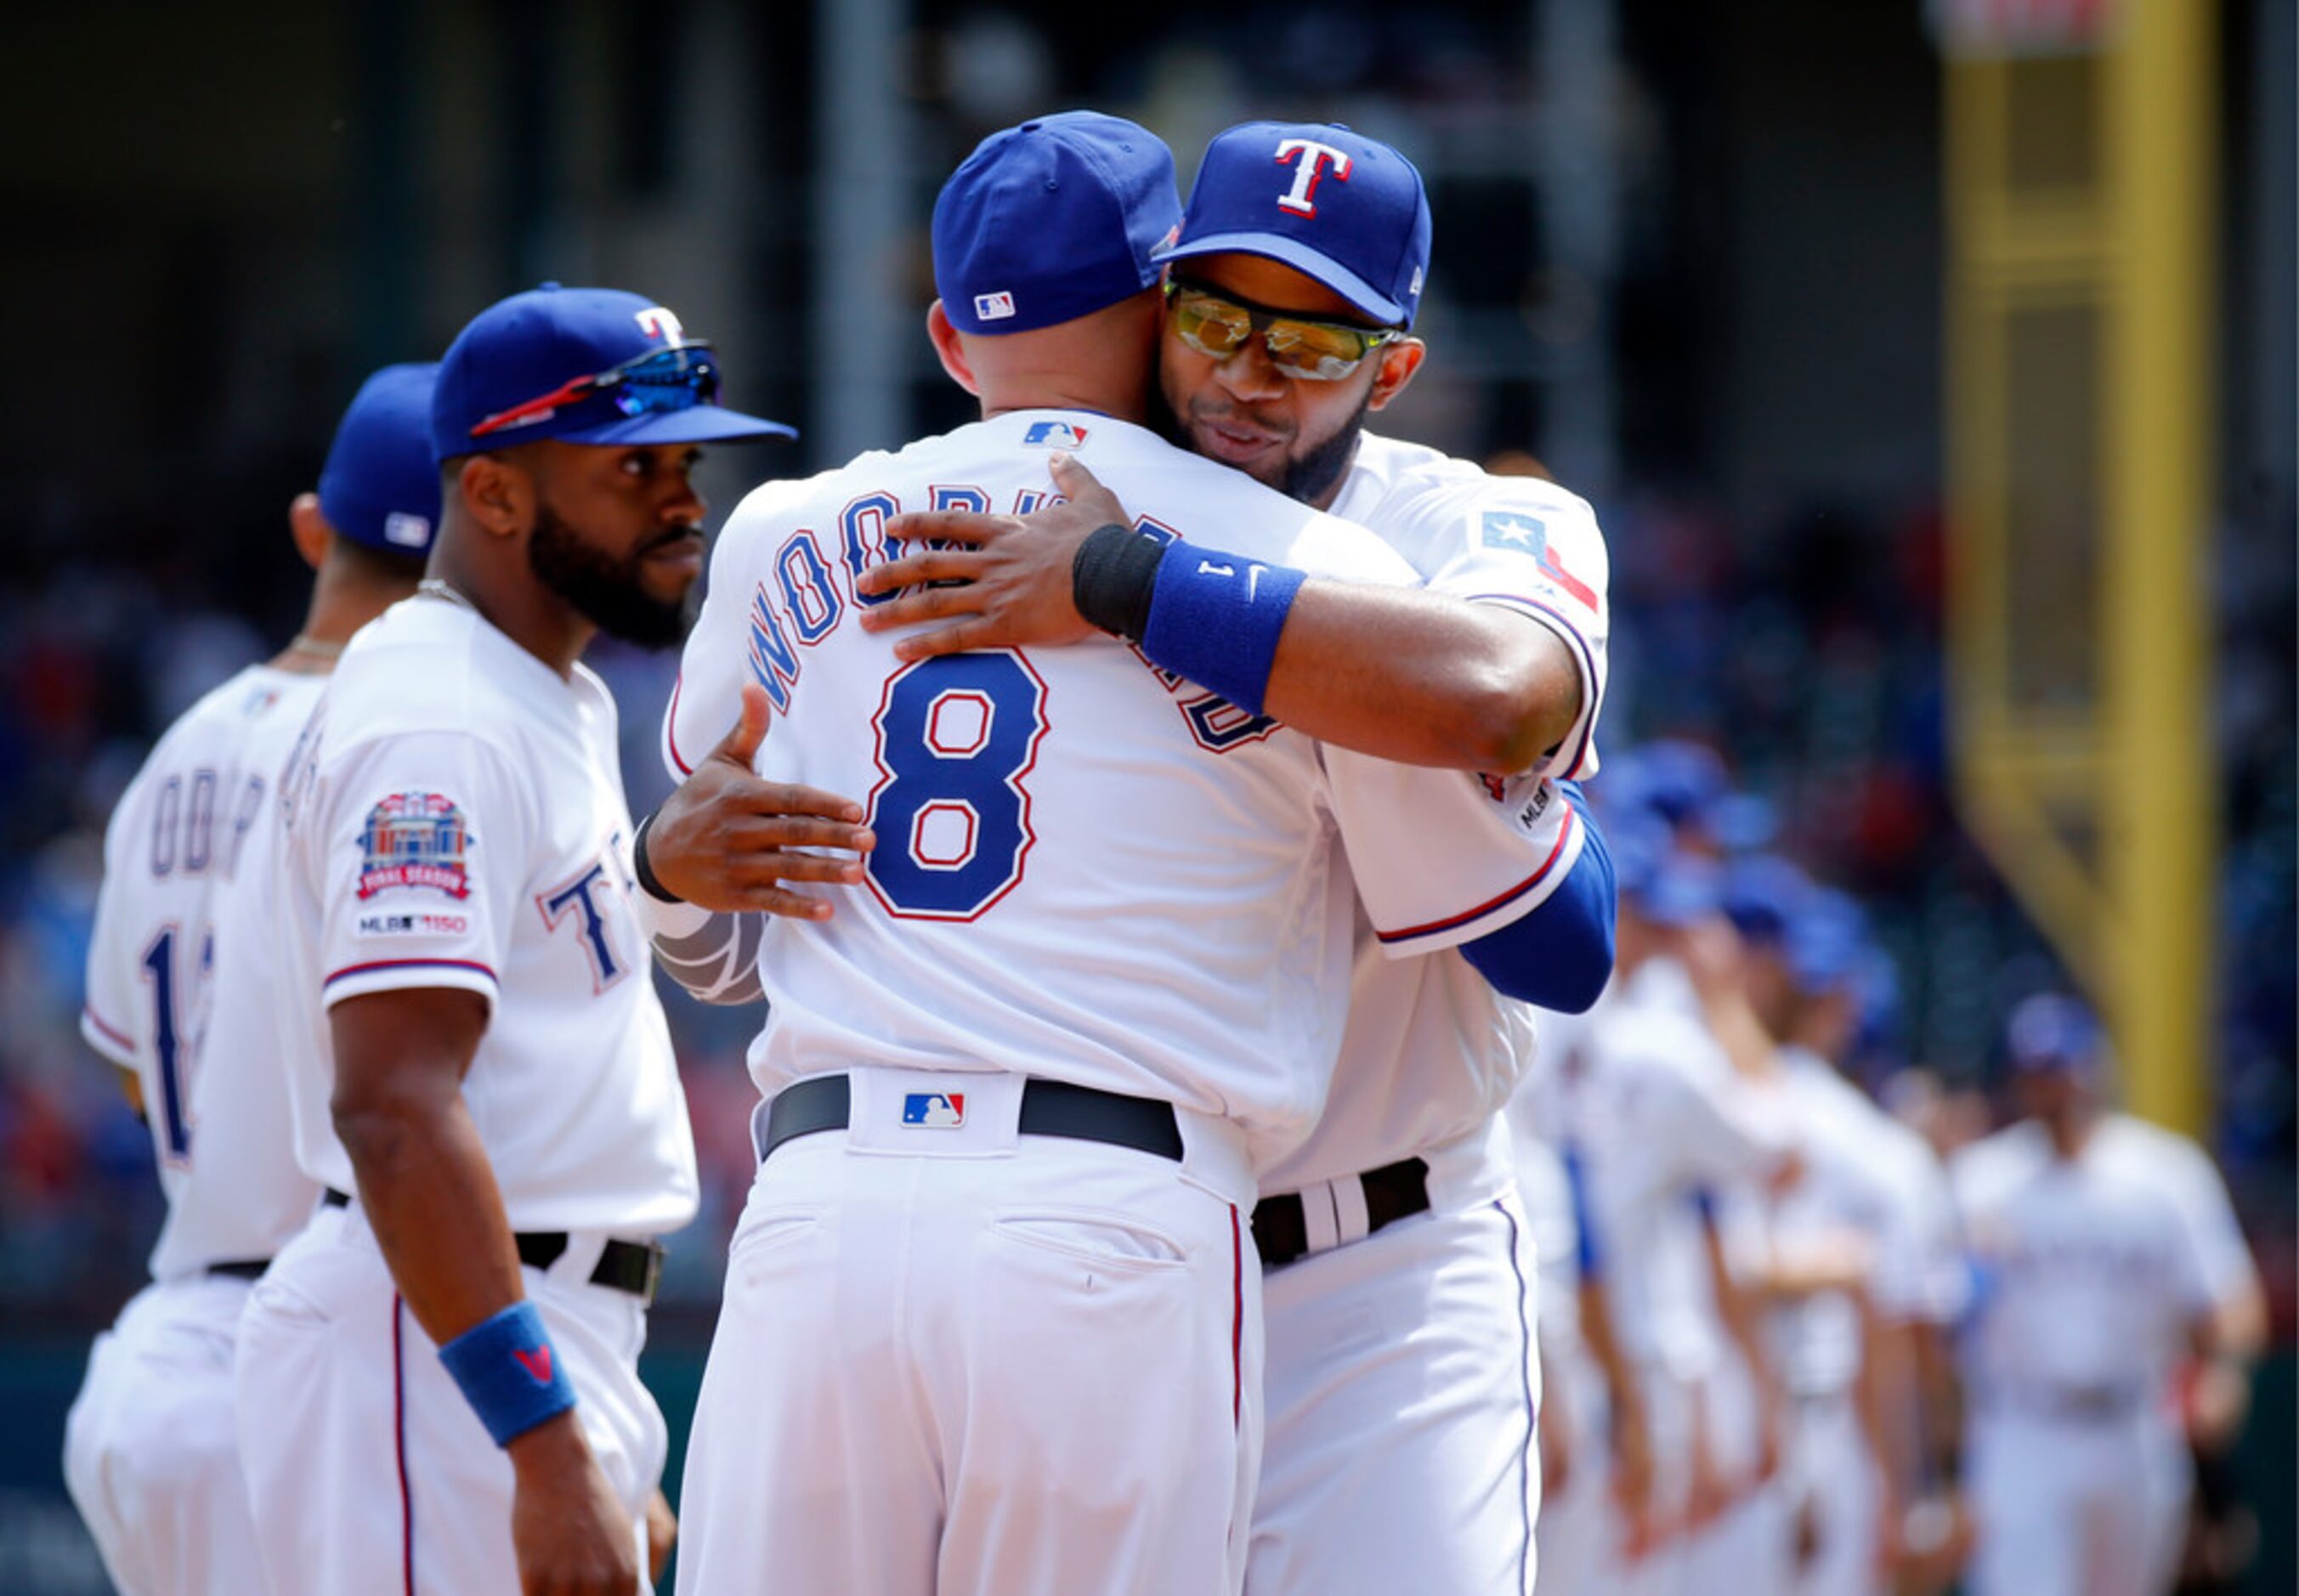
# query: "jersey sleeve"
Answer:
x=721 y=652
x=2216 y=1235
x=422 y=867
x=1538 y=552
x=111 y=1013
x=1442 y=857
x=1717 y=1128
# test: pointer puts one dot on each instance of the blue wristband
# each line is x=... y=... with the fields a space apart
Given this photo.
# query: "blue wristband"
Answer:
x=1215 y=618
x=508 y=1372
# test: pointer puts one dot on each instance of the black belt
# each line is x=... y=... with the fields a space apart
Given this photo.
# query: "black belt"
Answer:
x=1280 y=1230
x=241 y=1268
x=822 y=1102
x=632 y=1267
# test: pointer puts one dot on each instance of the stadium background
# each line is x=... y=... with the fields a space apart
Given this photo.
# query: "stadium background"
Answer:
x=1697 y=260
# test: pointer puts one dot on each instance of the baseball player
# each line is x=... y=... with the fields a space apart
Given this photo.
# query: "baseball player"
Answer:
x=437 y=1387
x=1858 y=1247
x=1399 y=1451
x=149 y=1453
x=1056 y=1387
x=2095 y=1285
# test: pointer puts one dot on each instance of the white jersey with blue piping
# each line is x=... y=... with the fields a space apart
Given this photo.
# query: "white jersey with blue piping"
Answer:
x=1431 y=1051
x=177 y=839
x=1086 y=867
x=456 y=818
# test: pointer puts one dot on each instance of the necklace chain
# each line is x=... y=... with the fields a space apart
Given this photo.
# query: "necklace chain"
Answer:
x=303 y=643
x=432 y=587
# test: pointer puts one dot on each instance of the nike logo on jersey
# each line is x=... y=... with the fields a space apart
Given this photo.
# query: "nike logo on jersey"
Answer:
x=537 y=1362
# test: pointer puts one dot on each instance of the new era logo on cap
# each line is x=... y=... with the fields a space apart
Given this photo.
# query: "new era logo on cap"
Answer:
x=934 y=1111
x=1054 y=434
x=994 y=307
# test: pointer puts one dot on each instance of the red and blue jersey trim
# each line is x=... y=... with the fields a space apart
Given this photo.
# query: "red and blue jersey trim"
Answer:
x=1587 y=658
x=1492 y=905
x=109 y=1032
x=349 y=971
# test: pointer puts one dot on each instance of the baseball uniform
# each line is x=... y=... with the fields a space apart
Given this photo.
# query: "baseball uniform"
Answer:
x=178 y=991
x=1090 y=874
x=1402 y=1378
x=1842 y=1205
x=454 y=817
x=1655 y=1115
x=2093 y=1278
x=149 y=1451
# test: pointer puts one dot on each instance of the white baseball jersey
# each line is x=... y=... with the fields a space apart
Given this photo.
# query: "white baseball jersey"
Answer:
x=1655 y=1114
x=1073 y=809
x=2187 y=1173
x=2091 y=1276
x=455 y=817
x=1431 y=1054
x=182 y=829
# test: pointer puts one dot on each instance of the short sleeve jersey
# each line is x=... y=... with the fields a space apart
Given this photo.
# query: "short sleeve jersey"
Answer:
x=1431 y=1054
x=2090 y=1274
x=181 y=834
x=2187 y=1172
x=1657 y=1114
x=1086 y=868
x=455 y=817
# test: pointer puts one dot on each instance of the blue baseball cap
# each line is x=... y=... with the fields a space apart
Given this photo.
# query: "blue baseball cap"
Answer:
x=584 y=365
x=1052 y=220
x=380 y=487
x=2049 y=1032
x=1659 y=881
x=1765 y=896
x=1826 y=942
x=1333 y=204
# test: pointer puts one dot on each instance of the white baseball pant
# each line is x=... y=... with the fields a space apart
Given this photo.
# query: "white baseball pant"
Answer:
x=1402 y=1389
x=369 y=1473
x=957 y=1359
x=151 y=1456
x=2067 y=1506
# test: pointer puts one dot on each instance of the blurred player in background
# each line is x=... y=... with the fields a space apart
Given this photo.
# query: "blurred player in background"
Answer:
x=150 y=1453
x=2107 y=1261
x=437 y=1382
x=1166 y=870
x=1398 y=1303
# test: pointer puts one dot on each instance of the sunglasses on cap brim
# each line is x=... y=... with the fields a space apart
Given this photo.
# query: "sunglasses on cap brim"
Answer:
x=674 y=379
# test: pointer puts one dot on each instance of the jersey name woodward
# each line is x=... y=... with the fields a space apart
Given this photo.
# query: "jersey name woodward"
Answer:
x=793 y=609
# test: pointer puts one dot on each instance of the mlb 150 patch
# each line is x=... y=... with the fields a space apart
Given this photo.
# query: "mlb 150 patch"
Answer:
x=934 y=1111
x=415 y=839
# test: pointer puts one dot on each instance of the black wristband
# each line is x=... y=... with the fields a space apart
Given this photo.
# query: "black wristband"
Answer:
x=645 y=872
x=1113 y=577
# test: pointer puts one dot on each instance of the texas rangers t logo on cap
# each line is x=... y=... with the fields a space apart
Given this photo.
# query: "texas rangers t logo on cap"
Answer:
x=657 y=321
x=1309 y=159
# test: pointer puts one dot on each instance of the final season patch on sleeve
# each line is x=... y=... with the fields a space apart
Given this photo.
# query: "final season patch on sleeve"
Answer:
x=1517 y=532
x=415 y=840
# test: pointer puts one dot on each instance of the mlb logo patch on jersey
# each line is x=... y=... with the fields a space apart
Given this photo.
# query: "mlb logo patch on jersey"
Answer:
x=934 y=1111
x=994 y=307
x=1055 y=435
x=415 y=839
